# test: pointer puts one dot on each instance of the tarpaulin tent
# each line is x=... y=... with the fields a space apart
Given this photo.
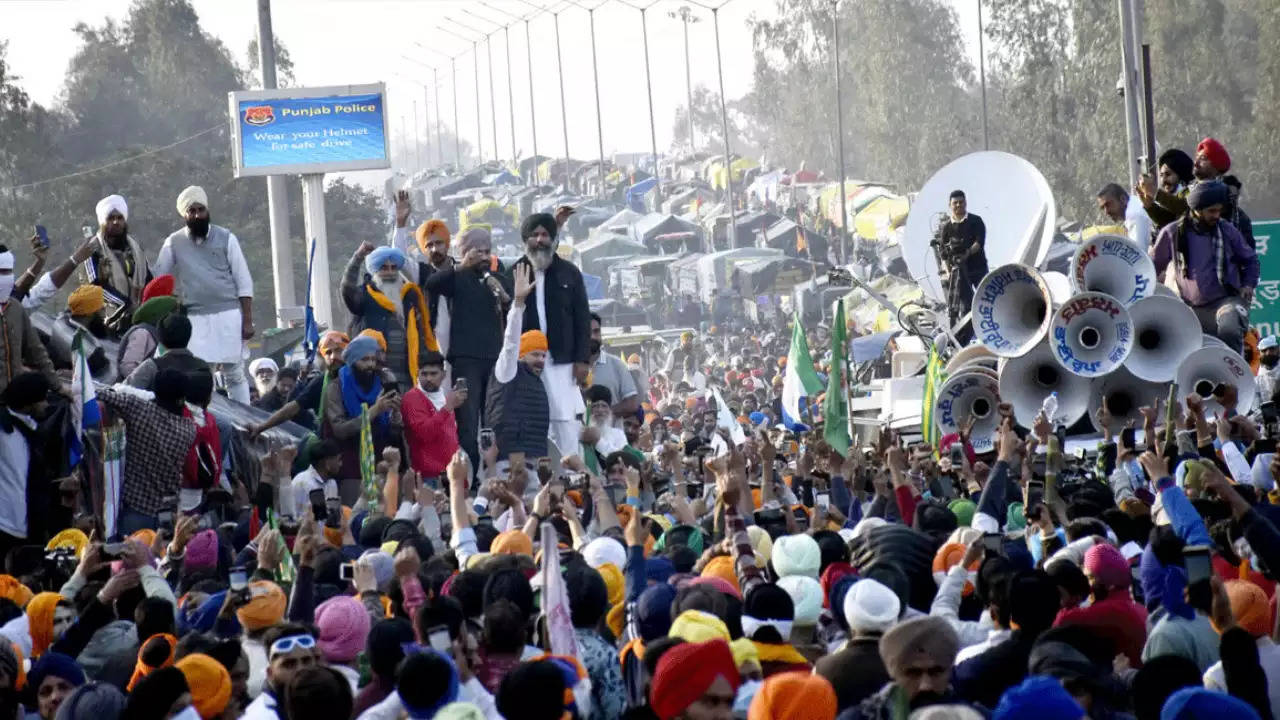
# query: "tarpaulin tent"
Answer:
x=621 y=222
x=635 y=193
x=752 y=224
x=501 y=178
x=618 y=314
x=715 y=271
x=683 y=274
x=606 y=245
x=783 y=235
x=649 y=227
x=774 y=275
x=594 y=286
x=880 y=215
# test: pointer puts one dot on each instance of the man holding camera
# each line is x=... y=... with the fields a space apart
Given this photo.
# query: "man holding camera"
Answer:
x=962 y=241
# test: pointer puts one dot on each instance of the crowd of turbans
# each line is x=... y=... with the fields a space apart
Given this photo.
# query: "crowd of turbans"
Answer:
x=693 y=545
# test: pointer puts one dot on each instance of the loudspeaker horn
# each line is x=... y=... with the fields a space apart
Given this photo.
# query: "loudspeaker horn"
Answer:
x=1165 y=332
x=1091 y=334
x=1205 y=368
x=1124 y=394
x=1026 y=381
x=1113 y=265
x=971 y=355
x=1012 y=307
x=969 y=395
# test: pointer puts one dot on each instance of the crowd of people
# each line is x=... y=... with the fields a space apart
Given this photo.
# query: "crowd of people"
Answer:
x=491 y=515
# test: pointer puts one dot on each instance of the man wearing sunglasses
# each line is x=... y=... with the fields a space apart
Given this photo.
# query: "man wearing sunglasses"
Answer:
x=290 y=648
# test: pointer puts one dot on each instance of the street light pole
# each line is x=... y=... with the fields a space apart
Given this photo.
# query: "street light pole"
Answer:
x=844 y=212
x=475 y=63
x=417 y=147
x=653 y=132
x=511 y=102
x=533 y=115
x=435 y=87
x=686 y=16
x=595 y=75
x=564 y=115
x=982 y=79
x=457 y=132
x=724 y=122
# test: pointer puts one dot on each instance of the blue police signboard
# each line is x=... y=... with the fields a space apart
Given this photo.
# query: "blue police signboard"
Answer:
x=309 y=130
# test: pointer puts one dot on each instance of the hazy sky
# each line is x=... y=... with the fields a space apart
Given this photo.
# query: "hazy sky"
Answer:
x=334 y=42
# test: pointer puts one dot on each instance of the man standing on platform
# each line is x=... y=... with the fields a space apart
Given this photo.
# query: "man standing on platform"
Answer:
x=117 y=262
x=216 y=288
x=962 y=246
x=561 y=312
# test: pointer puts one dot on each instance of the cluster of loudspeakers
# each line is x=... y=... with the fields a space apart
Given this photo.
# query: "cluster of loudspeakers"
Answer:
x=1109 y=332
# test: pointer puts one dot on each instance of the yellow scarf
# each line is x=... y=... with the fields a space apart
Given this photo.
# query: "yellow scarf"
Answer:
x=417 y=321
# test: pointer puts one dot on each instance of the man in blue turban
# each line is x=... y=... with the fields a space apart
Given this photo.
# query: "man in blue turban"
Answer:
x=385 y=301
x=1215 y=268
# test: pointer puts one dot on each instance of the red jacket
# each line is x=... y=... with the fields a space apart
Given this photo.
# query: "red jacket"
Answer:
x=1117 y=618
x=432 y=434
x=204 y=457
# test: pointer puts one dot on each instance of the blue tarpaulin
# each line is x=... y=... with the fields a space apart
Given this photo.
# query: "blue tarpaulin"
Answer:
x=594 y=286
x=635 y=194
x=869 y=348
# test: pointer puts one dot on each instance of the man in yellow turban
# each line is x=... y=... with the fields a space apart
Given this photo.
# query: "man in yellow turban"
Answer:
x=84 y=314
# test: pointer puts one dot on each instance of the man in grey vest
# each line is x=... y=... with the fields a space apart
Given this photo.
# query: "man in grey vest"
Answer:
x=215 y=286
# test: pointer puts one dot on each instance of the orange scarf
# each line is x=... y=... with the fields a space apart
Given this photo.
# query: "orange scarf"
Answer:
x=417 y=321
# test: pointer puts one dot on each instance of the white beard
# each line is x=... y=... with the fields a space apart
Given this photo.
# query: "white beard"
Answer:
x=392 y=289
x=264 y=387
x=540 y=259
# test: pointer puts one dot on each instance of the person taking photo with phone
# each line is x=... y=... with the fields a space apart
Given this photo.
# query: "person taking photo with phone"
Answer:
x=430 y=425
x=361 y=383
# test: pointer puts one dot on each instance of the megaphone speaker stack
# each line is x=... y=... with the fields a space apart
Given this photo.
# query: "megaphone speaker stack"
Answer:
x=1011 y=310
x=1203 y=370
x=1091 y=334
x=965 y=395
x=1165 y=332
x=1124 y=394
x=1113 y=265
x=1026 y=381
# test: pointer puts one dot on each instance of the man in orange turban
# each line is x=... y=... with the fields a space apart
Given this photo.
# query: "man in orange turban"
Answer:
x=519 y=411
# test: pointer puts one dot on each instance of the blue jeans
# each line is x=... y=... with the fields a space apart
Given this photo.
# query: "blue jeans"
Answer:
x=130 y=521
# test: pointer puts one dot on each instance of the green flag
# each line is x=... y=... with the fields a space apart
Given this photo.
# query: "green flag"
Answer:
x=800 y=380
x=372 y=493
x=933 y=377
x=835 y=407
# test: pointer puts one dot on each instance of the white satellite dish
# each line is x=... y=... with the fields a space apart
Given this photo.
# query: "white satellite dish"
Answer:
x=1007 y=192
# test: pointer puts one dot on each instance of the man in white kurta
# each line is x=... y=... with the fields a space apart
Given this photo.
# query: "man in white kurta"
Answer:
x=214 y=284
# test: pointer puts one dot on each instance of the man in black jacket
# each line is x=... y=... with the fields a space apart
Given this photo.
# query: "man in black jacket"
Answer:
x=559 y=310
x=475 y=327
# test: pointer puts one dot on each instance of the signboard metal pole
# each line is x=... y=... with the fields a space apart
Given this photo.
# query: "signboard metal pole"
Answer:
x=318 y=236
x=277 y=190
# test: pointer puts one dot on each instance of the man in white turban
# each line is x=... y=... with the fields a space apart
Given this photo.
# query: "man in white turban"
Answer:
x=214 y=284
x=116 y=262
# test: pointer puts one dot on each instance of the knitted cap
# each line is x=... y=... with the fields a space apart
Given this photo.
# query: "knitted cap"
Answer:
x=870 y=607
x=1104 y=563
x=344 y=625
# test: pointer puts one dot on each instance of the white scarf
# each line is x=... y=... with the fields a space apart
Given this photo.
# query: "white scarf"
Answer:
x=437 y=398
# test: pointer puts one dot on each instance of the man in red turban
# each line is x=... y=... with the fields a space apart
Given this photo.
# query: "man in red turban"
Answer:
x=1211 y=160
x=695 y=681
